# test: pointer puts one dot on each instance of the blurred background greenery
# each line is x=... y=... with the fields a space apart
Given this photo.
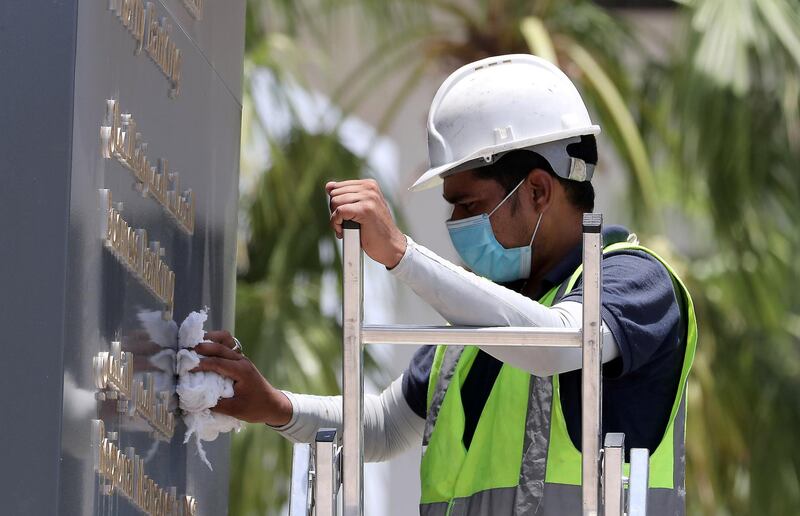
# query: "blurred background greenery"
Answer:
x=701 y=125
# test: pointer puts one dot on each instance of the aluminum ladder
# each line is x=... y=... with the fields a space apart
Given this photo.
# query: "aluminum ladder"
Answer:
x=319 y=469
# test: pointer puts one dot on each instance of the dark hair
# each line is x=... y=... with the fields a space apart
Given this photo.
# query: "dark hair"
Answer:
x=513 y=167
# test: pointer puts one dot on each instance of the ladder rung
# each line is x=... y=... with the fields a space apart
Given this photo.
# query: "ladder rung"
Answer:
x=470 y=335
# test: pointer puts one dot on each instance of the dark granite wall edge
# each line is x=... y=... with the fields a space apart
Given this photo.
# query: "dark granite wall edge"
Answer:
x=37 y=59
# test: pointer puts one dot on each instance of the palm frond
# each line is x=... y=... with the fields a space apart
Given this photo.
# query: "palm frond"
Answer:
x=538 y=39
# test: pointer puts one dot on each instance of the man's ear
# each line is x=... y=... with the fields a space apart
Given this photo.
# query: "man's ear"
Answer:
x=540 y=188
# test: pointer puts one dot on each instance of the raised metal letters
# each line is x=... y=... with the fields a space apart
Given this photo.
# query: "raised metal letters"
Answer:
x=114 y=373
x=135 y=253
x=151 y=33
x=120 y=140
x=114 y=378
x=125 y=474
x=162 y=50
x=154 y=407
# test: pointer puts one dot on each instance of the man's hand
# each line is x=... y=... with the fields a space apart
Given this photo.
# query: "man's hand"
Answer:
x=362 y=201
x=254 y=399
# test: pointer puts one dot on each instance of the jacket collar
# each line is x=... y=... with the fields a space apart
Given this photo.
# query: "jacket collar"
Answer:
x=572 y=260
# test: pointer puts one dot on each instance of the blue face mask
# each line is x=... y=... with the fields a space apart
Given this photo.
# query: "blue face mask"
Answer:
x=475 y=242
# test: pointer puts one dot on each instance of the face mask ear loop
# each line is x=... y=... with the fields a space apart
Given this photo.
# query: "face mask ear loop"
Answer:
x=505 y=198
x=536 y=229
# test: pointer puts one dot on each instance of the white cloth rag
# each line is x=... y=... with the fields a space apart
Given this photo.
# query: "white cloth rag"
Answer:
x=200 y=391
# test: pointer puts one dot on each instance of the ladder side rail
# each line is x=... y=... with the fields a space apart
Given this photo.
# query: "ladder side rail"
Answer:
x=326 y=487
x=639 y=481
x=300 y=498
x=352 y=372
x=591 y=386
x=613 y=488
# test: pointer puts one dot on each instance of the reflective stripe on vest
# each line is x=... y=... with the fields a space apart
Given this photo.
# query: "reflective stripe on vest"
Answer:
x=521 y=459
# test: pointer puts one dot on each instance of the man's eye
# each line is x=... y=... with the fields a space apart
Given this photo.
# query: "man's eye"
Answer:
x=467 y=208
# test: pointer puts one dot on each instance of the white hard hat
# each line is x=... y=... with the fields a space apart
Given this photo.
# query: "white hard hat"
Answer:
x=499 y=104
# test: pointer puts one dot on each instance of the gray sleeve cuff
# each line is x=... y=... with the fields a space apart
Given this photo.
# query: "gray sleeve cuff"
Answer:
x=295 y=411
x=400 y=270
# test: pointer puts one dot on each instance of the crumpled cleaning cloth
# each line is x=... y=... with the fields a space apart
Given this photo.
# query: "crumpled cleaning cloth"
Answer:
x=164 y=334
x=200 y=391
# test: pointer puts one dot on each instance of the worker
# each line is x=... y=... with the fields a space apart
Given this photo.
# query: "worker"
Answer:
x=512 y=142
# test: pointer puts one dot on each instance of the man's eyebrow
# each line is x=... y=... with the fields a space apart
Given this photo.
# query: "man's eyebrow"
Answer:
x=455 y=198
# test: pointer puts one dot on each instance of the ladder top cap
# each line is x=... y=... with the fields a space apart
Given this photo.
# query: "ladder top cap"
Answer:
x=614 y=440
x=592 y=222
x=326 y=435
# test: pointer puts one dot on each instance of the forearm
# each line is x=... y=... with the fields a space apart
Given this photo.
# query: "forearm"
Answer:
x=464 y=298
x=550 y=361
x=390 y=426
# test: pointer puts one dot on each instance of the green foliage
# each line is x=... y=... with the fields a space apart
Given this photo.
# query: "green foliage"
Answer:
x=709 y=135
x=582 y=38
x=291 y=252
x=723 y=113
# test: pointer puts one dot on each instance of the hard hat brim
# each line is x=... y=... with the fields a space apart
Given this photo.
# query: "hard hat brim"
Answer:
x=434 y=176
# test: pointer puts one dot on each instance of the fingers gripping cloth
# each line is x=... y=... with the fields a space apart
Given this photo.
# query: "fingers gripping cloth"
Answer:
x=200 y=391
